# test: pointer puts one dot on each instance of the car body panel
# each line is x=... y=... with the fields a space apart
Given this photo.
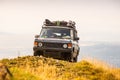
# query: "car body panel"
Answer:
x=57 y=47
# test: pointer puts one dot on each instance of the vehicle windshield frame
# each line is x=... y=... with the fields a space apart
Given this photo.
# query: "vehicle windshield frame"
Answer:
x=55 y=29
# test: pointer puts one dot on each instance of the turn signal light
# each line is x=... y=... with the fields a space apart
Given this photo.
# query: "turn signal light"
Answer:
x=35 y=43
x=69 y=45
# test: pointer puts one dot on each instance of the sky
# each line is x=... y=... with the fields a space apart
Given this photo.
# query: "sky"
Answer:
x=96 y=20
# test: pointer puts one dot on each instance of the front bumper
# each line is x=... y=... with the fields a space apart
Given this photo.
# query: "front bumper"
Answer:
x=56 y=50
x=53 y=52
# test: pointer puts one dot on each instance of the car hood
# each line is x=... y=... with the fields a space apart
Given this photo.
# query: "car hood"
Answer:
x=51 y=40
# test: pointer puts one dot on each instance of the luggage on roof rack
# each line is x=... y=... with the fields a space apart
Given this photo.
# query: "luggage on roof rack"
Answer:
x=70 y=24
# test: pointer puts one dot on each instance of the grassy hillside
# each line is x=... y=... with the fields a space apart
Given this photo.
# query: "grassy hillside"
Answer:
x=41 y=68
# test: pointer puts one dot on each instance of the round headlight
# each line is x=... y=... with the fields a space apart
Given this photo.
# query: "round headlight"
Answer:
x=40 y=44
x=65 y=46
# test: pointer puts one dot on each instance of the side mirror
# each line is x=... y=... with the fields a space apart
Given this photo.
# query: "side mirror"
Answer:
x=37 y=36
x=77 y=38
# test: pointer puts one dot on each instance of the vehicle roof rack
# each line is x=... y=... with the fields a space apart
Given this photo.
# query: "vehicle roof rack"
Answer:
x=70 y=24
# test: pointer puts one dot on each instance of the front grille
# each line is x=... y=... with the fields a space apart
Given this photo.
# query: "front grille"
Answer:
x=52 y=45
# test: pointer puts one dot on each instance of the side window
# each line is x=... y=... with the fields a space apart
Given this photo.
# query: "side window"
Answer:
x=75 y=34
x=72 y=34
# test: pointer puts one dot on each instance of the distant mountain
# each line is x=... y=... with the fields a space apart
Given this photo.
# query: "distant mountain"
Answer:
x=108 y=52
x=6 y=33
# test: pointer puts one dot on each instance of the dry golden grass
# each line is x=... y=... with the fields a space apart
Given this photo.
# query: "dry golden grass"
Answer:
x=41 y=68
x=107 y=67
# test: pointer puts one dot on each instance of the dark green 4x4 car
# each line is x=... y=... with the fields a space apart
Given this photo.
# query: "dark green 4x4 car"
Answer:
x=57 y=39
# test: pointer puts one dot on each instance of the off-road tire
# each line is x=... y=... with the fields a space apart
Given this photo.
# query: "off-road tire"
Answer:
x=37 y=53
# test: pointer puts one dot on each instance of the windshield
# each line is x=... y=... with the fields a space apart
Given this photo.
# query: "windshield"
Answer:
x=60 y=33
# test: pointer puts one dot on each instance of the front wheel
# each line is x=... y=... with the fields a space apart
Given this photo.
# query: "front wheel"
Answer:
x=75 y=59
x=37 y=53
x=69 y=57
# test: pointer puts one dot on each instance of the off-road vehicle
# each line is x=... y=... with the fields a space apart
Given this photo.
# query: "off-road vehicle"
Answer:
x=57 y=39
